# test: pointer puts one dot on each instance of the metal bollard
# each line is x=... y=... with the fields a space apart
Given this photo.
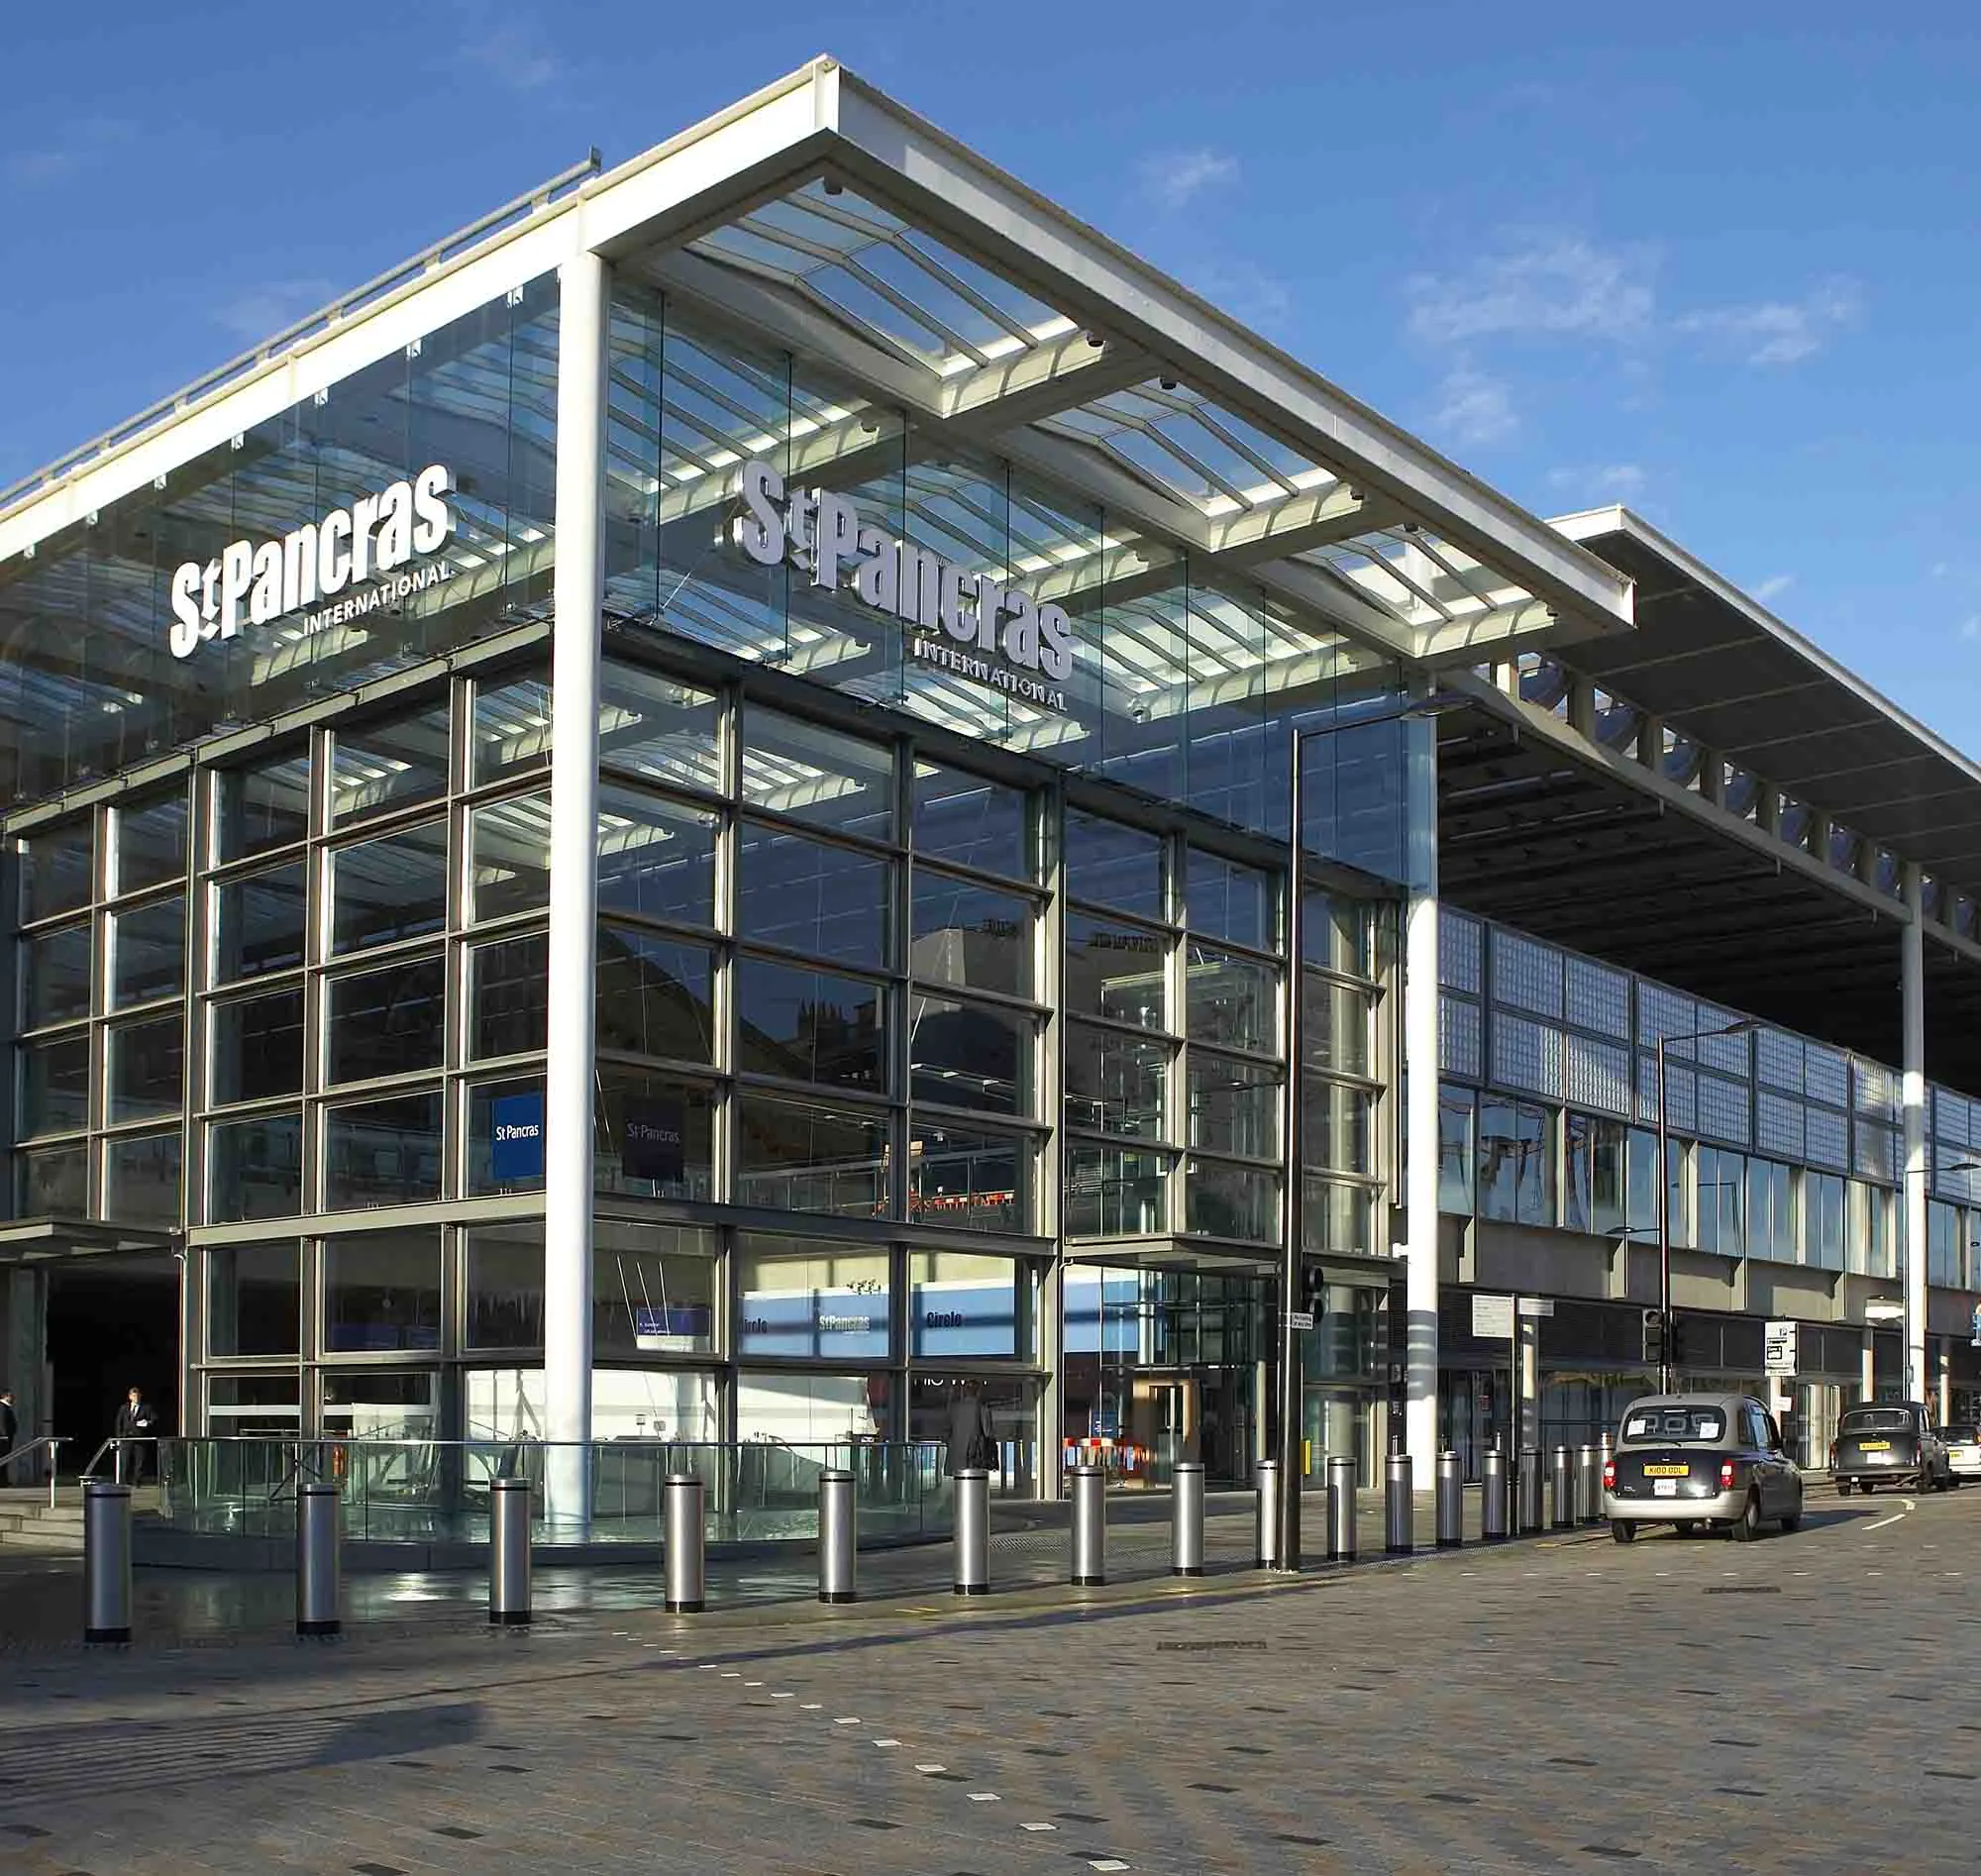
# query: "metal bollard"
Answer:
x=1266 y=1516
x=319 y=1566
x=1399 y=1507
x=509 y=1553
x=1494 y=1505
x=1450 y=1501
x=1533 y=1514
x=1563 y=1483
x=687 y=1540
x=1340 y=1509
x=1187 y=1515
x=1589 y=1485
x=838 y=1538
x=973 y=1531
x=106 y=1561
x=1089 y=1527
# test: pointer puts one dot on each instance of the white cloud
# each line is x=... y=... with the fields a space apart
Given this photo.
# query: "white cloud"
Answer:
x=1971 y=628
x=87 y=142
x=1474 y=408
x=273 y=304
x=515 y=54
x=1541 y=285
x=1774 y=586
x=1779 y=332
x=1177 y=177
x=1618 y=481
x=1249 y=294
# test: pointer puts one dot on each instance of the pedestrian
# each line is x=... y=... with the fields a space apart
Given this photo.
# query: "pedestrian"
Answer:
x=971 y=1441
x=10 y=1426
x=137 y=1426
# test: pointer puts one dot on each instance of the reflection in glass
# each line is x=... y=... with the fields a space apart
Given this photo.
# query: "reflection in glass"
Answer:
x=1454 y=1150
x=505 y=1285
x=969 y=1179
x=257 y=1046
x=1338 y=1127
x=970 y=936
x=1115 y=1191
x=1234 y=1106
x=264 y=806
x=55 y=1086
x=508 y=997
x=253 y=1298
x=150 y=842
x=1114 y=866
x=146 y=1068
x=512 y=729
x=1115 y=1083
x=653 y=1134
x=1226 y=899
x=809 y=1026
x=656 y=995
x=1231 y=1202
x=803 y=896
x=140 y=1178
x=378 y=767
x=801 y=1156
x=653 y=1290
x=380 y=1403
x=255 y=1168
x=971 y=822
x=389 y=888
x=509 y=856
x=53 y=1183
x=259 y=923
x=55 y=869
x=1335 y=1026
x=963 y=1305
x=656 y=858
x=970 y=1055
x=54 y=970
x=386 y=1022
x=254 y=1407
x=1230 y=999
x=658 y=729
x=1116 y=971
x=818 y=775
x=803 y=1297
x=380 y=1290
x=1515 y=1167
x=382 y=1152
x=1339 y=934
x=147 y=953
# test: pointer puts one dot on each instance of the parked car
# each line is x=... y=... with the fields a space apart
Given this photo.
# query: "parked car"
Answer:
x=1891 y=1442
x=1700 y=1462
x=1963 y=1450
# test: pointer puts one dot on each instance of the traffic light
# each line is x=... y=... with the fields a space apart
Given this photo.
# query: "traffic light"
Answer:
x=1654 y=1338
x=1313 y=1292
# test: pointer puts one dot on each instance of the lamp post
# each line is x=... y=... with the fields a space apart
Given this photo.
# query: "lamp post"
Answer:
x=1744 y=1026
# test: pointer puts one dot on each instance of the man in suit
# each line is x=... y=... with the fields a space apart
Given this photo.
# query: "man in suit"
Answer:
x=971 y=1441
x=137 y=1427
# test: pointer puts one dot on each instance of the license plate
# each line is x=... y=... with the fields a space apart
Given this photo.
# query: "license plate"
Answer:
x=1874 y=1446
x=1667 y=1472
x=1664 y=1488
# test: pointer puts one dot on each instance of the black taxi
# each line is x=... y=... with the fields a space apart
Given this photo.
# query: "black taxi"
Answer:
x=1888 y=1442
x=1700 y=1462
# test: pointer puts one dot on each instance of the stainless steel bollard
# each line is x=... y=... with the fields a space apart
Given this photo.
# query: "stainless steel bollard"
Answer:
x=686 y=1541
x=509 y=1553
x=1187 y=1519
x=838 y=1538
x=1398 y=1505
x=1089 y=1527
x=1563 y=1482
x=1589 y=1485
x=1450 y=1501
x=106 y=1561
x=1532 y=1494
x=1493 y=1496
x=1340 y=1509
x=1266 y=1514
x=319 y=1565
x=973 y=1531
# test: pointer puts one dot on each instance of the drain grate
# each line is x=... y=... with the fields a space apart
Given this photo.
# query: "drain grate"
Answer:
x=1742 y=1589
x=1207 y=1647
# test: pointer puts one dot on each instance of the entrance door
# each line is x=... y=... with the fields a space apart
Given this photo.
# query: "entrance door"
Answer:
x=1165 y=1425
x=113 y=1325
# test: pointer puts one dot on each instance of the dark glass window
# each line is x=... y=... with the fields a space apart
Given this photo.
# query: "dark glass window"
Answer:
x=255 y=1168
x=386 y=1022
x=382 y=1152
x=804 y=896
x=970 y=936
x=971 y=822
x=53 y=1183
x=1115 y=1191
x=810 y=1026
x=379 y=767
x=147 y=1068
x=802 y=1155
x=656 y=858
x=150 y=842
x=1352 y=796
x=263 y=807
x=505 y=1285
x=253 y=1298
x=655 y=996
x=389 y=888
x=147 y=953
x=491 y=1104
x=652 y=1134
x=508 y=992
x=1230 y=1202
x=1115 y=1083
x=257 y=1046
x=658 y=729
x=1114 y=866
x=55 y=972
x=380 y=1290
x=512 y=729
x=818 y=775
x=1116 y=971
x=140 y=1178
x=970 y=1055
x=1224 y=900
x=259 y=921
x=1234 y=1106
x=1454 y=1150
x=1230 y=999
x=55 y=1086
x=969 y=1178
x=653 y=1290
x=55 y=872
x=510 y=856
x=1516 y=1161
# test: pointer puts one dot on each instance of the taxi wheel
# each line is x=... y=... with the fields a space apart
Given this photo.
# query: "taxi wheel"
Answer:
x=1747 y=1526
x=1623 y=1530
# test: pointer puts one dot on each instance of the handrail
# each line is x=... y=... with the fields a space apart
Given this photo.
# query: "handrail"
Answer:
x=53 y=1443
x=116 y=1444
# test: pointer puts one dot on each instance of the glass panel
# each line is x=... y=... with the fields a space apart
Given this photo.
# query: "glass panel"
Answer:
x=1352 y=804
x=1454 y=1150
x=505 y=1285
x=817 y=775
x=257 y=1046
x=1336 y=1217
x=1234 y=1106
x=1515 y=1163
x=1338 y=1127
x=653 y=1135
x=259 y=923
x=1823 y=1201
x=804 y=1298
x=805 y=1408
x=54 y=970
x=658 y=729
x=140 y=1179
x=508 y=997
x=1115 y=970
x=1335 y=1026
x=55 y=1086
x=386 y=1022
x=1115 y=1083
x=1115 y=1191
x=1231 y=1202
x=965 y=1307
x=655 y=1404
x=653 y=1290
x=509 y=848
x=381 y=1402
x=1722 y=1178
x=150 y=842
x=803 y=896
x=656 y=995
x=147 y=953
x=803 y=1157
x=809 y=1026
x=971 y=822
x=146 y=1068
x=53 y=1182
x=385 y=765
x=263 y=807
x=656 y=859
x=515 y=1108
x=1643 y=1191
x=380 y=1290
x=382 y=1152
x=55 y=869
x=253 y=1299
x=967 y=1055
x=1339 y=934
x=387 y=890
x=1225 y=900
x=255 y=1168
x=1114 y=866
x=512 y=729
x=1230 y=999
x=970 y=936
x=254 y=1407
x=969 y=1178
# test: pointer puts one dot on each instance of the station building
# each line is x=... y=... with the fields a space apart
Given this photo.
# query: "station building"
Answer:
x=778 y=779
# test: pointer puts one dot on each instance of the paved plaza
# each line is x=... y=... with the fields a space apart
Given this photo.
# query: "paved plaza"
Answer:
x=1808 y=1703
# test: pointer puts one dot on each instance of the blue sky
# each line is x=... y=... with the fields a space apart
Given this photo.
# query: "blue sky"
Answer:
x=1719 y=262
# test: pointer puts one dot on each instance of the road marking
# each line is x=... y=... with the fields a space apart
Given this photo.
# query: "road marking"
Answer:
x=931 y=1768
x=810 y=1706
x=886 y=1742
x=987 y=1798
x=1038 y=1826
x=851 y=1720
x=784 y=1697
x=1107 y=1863
x=753 y=1683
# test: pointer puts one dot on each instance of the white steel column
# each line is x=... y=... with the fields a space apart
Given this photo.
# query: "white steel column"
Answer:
x=1913 y=986
x=577 y=595
x=1421 y=1063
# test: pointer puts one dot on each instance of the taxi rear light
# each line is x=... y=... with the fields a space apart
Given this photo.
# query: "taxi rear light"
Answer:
x=1726 y=1475
x=1609 y=1475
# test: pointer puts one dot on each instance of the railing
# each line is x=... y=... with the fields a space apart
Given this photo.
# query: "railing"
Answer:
x=50 y=1443
x=425 y=1491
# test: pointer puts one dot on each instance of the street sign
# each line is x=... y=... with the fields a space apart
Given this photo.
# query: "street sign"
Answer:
x=1536 y=1305
x=1778 y=1347
x=1977 y=1325
x=1493 y=1318
x=1299 y=1319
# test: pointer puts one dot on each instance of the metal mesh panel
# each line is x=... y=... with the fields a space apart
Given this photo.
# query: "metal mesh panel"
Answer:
x=1459 y=940
x=1778 y=1126
x=1598 y=1075
x=1528 y=1056
x=1730 y=1055
x=1663 y=1012
x=1877 y=1088
x=1458 y=1037
x=1678 y=1094
x=1527 y=975
x=1599 y=997
x=1778 y=1060
x=1876 y=1154
x=1827 y=1075
x=1827 y=1139
x=1723 y=1109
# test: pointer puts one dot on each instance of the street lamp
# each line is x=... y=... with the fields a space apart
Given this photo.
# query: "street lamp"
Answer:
x=1745 y=1026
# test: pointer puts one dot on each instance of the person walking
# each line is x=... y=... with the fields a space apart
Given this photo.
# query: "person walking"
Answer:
x=972 y=1440
x=10 y=1426
x=137 y=1426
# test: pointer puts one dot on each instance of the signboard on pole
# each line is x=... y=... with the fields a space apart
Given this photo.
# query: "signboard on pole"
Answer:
x=1536 y=1307
x=1779 y=1349
x=1493 y=1318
